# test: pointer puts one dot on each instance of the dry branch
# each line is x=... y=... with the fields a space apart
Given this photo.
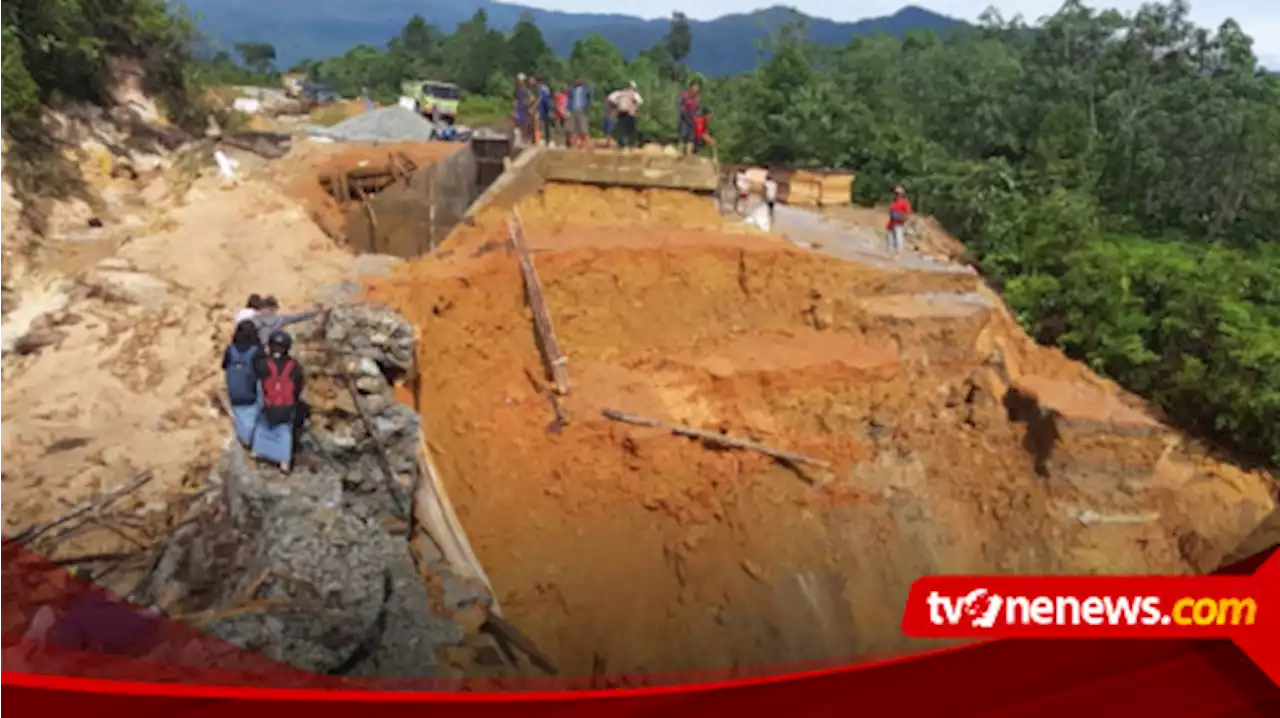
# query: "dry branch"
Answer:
x=96 y=557
x=555 y=362
x=714 y=439
x=97 y=503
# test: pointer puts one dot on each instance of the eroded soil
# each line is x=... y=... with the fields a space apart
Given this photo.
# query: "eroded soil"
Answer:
x=956 y=444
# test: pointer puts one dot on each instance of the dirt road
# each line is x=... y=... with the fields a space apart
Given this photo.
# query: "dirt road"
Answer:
x=132 y=384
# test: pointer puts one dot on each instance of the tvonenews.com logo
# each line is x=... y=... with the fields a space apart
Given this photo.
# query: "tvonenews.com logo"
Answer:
x=980 y=608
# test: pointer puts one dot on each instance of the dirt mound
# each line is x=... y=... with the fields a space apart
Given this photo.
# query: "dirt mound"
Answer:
x=308 y=187
x=955 y=444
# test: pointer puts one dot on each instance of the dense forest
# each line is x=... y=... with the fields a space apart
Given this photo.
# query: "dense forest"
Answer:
x=1117 y=177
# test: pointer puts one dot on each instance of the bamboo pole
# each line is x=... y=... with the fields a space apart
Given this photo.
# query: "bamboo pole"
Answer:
x=556 y=363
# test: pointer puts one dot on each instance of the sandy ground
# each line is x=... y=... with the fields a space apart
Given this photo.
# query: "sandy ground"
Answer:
x=133 y=383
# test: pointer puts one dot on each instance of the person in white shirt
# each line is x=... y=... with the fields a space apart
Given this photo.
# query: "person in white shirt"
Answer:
x=627 y=103
x=743 y=190
x=250 y=309
x=770 y=193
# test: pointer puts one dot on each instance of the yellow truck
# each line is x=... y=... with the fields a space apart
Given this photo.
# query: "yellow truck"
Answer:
x=437 y=100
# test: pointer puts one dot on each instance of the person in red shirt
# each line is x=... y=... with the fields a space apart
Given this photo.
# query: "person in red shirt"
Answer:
x=899 y=211
x=560 y=112
x=701 y=134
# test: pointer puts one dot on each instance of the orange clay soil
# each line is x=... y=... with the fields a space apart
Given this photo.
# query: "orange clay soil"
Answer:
x=623 y=549
x=348 y=156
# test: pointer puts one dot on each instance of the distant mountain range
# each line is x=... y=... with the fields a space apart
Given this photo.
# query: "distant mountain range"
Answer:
x=321 y=28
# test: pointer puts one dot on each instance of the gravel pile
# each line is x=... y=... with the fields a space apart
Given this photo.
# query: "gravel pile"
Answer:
x=386 y=124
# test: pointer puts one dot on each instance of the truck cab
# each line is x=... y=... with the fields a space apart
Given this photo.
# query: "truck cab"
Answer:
x=437 y=100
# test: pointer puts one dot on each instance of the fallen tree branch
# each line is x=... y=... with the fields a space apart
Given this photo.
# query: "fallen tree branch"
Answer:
x=100 y=521
x=98 y=502
x=211 y=616
x=96 y=557
x=714 y=439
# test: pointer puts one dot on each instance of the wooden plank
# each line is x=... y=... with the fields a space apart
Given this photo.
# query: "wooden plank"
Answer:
x=434 y=510
x=556 y=363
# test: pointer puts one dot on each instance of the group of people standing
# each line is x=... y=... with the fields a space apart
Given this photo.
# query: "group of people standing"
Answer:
x=264 y=381
x=543 y=116
x=561 y=116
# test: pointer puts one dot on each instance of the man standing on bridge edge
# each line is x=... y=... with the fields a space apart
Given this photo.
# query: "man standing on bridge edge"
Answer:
x=627 y=101
x=899 y=211
x=579 y=104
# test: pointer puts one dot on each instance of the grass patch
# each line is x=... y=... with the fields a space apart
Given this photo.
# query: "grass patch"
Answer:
x=328 y=115
x=480 y=111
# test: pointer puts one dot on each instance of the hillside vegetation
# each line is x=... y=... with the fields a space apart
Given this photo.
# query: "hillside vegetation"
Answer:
x=67 y=53
x=1117 y=177
x=724 y=45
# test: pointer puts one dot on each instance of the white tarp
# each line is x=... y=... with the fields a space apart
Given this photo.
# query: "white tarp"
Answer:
x=226 y=166
x=408 y=103
x=247 y=104
x=759 y=218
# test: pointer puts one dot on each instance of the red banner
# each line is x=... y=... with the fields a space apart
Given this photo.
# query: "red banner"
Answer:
x=178 y=670
x=1244 y=609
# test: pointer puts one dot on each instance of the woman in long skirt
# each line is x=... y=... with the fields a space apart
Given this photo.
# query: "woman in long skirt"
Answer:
x=244 y=390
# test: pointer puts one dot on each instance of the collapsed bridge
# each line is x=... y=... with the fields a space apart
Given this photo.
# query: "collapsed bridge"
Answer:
x=945 y=441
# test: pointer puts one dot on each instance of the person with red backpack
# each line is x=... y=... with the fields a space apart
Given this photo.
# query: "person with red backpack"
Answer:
x=244 y=389
x=282 y=382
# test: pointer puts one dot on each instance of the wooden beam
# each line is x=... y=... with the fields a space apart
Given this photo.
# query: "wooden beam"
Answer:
x=556 y=363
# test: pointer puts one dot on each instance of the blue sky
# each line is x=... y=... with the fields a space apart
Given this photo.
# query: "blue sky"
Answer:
x=1259 y=18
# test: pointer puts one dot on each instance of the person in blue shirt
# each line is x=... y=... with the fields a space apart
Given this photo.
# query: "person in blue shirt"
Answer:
x=544 y=111
x=579 y=106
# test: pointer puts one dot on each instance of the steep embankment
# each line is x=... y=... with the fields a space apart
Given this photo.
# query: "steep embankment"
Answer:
x=956 y=444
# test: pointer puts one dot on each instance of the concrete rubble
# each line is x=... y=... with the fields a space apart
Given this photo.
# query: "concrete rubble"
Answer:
x=314 y=569
x=386 y=124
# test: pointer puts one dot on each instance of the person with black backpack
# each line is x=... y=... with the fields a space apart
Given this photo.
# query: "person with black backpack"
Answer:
x=282 y=381
x=244 y=391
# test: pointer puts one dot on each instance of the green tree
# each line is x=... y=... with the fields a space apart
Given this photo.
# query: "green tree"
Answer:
x=528 y=51
x=257 y=56
x=678 y=42
x=599 y=62
x=474 y=52
x=417 y=50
